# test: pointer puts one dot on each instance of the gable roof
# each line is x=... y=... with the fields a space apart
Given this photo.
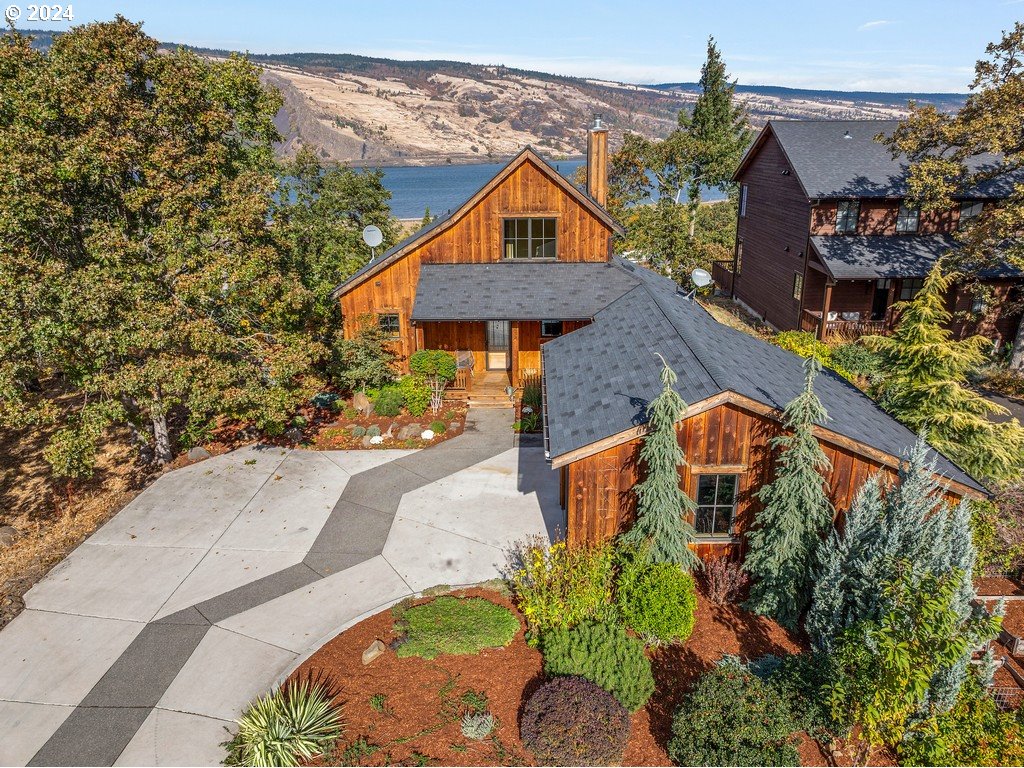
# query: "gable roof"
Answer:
x=840 y=158
x=441 y=223
x=523 y=291
x=869 y=257
x=598 y=379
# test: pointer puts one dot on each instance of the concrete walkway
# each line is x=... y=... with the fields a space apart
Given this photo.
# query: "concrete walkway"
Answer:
x=151 y=637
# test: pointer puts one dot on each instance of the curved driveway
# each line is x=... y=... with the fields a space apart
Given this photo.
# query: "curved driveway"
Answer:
x=148 y=640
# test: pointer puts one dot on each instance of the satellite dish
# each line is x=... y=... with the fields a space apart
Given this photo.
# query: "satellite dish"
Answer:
x=372 y=236
x=701 y=277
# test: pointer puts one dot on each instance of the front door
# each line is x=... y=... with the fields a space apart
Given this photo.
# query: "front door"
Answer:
x=497 y=344
x=880 y=302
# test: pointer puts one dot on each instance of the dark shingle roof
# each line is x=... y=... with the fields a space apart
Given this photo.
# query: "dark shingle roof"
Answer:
x=528 y=153
x=518 y=290
x=598 y=379
x=868 y=257
x=829 y=165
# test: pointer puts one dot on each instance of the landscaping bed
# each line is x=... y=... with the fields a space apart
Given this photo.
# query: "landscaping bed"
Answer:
x=415 y=722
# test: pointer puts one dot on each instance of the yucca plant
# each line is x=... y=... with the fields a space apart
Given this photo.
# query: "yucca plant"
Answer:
x=295 y=722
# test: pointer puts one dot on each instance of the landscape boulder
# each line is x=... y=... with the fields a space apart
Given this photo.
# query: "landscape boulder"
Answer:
x=454 y=426
x=198 y=453
x=362 y=403
x=366 y=441
x=294 y=435
x=427 y=434
x=373 y=650
x=8 y=534
x=409 y=431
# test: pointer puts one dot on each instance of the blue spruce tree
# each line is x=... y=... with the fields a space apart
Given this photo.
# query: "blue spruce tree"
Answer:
x=795 y=512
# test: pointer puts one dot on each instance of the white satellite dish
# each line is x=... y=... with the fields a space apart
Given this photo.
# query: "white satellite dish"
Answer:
x=701 y=278
x=372 y=236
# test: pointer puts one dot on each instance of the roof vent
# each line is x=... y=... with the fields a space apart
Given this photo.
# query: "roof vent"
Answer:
x=846 y=135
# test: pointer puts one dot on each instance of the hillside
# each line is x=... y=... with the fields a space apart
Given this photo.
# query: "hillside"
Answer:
x=389 y=112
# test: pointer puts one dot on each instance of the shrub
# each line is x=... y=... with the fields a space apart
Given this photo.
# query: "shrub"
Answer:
x=655 y=600
x=604 y=654
x=998 y=530
x=366 y=360
x=436 y=367
x=455 y=626
x=800 y=681
x=973 y=732
x=389 y=402
x=358 y=431
x=438 y=427
x=807 y=345
x=294 y=723
x=560 y=586
x=477 y=726
x=415 y=394
x=731 y=718
x=532 y=397
x=859 y=360
x=724 y=580
x=571 y=721
x=373 y=430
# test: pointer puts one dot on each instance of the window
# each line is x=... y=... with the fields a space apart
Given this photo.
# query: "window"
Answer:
x=910 y=287
x=390 y=325
x=908 y=217
x=978 y=305
x=550 y=327
x=968 y=210
x=530 y=238
x=798 y=285
x=739 y=256
x=846 y=216
x=743 y=200
x=716 y=504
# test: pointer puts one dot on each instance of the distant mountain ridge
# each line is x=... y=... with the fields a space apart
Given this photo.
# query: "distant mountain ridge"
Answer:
x=376 y=111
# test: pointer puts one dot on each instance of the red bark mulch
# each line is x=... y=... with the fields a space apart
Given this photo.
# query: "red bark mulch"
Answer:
x=998 y=585
x=420 y=720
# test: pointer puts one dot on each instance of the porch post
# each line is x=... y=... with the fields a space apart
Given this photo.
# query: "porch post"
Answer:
x=825 y=305
x=514 y=351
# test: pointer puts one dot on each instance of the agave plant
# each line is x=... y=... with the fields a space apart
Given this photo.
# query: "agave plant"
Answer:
x=296 y=722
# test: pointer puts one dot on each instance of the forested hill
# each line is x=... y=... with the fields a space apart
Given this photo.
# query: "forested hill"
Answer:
x=386 y=111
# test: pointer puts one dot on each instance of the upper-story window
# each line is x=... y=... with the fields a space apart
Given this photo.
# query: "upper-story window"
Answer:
x=910 y=287
x=968 y=210
x=531 y=238
x=743 y=200
x=847 y=213
x=550 y=328
x=908 y=217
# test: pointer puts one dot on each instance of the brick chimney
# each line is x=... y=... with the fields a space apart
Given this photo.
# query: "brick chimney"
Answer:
x=597 y=162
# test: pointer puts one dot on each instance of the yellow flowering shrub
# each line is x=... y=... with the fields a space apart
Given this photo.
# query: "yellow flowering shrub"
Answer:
x=561 y=586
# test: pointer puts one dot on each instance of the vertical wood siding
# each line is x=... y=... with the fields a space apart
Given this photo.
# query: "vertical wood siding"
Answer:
x=723 y=440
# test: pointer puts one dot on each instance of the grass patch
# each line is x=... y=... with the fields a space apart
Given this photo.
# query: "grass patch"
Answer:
x=455 y=626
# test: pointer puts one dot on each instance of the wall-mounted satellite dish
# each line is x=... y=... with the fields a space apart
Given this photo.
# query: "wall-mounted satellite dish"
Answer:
x=701 y=278
x=373 y=237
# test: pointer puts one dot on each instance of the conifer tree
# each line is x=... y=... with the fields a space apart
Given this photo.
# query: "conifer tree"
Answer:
x=795 y=512
x=427 y=218
x=926 y=386
x=662 y=529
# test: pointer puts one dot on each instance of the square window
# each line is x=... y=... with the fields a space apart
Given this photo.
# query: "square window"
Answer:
x=910 y=287
x=550 y=328
x=968 y=210
x=716 y=504
x=908 y=218
x=390 y=324
x=847 y=213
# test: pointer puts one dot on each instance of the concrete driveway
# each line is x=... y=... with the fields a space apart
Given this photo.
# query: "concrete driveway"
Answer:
x=151 y=637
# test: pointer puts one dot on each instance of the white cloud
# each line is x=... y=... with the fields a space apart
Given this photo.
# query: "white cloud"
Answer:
x=873 y=25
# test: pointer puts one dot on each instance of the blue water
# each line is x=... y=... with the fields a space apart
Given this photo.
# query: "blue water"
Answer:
x=444 y=187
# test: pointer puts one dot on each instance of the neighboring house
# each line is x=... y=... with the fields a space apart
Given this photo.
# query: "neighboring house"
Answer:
x=827 y=242
x=520 y=283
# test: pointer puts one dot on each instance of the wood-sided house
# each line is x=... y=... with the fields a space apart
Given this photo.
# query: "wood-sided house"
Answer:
x=521 y=280
x=828 y=242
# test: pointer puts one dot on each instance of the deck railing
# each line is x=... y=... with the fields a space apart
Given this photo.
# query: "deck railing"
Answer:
x=810 y=321
x=721 y=273
x=463 y=381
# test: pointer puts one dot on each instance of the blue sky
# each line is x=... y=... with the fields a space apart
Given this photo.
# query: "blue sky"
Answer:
x=898 y=45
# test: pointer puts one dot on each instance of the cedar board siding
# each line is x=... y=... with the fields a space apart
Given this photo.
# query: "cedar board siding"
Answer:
x=476 y=237
x=726 y=439
x=777 y=217
x=454 y=337
x=878 y=217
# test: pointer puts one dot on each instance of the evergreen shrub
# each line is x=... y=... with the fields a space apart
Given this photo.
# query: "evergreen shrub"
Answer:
x=732 y=718
x=655 y=600
x=438 y=427
x=571 y=721
x=454 y=626
x=389 y=401
x=604 y=654
x=373 y=430
x=415 y=394
x=358 y=431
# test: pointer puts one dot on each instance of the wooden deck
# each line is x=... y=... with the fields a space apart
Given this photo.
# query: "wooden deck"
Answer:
x=487 y=388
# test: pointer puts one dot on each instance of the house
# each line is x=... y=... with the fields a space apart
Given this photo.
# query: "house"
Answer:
x=521 y=284
x=521 y=262
x=597 y=384
x=827 y=241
